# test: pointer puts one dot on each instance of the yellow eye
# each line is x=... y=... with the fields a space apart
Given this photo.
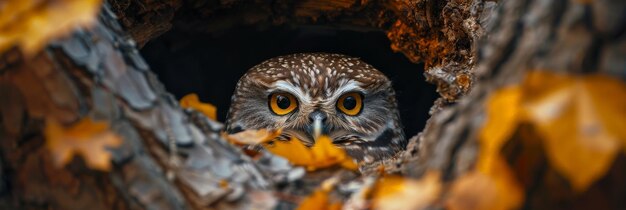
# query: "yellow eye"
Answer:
x=350 y=103
x=282 y=103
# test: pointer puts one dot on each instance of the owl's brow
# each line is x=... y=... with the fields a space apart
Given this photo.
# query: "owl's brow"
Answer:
x=349 y=86
x=346 y=86
x=290 y=88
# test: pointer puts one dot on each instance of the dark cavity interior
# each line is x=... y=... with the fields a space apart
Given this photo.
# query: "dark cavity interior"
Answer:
x=211 y=64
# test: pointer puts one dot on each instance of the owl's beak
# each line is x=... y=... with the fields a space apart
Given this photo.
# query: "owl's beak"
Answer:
x=317 y=128
x=318 y=119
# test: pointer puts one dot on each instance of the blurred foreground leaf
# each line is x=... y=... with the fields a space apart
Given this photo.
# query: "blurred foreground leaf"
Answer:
x=397 y=193
x=496 y=189
x=86 y=137
x=30 y=24
x=191 y=101
x=319 y=199
x=321 y=155
x=253 y=136
x=581 y=120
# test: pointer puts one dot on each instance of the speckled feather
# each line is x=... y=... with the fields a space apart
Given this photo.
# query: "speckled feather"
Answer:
x=317 y=80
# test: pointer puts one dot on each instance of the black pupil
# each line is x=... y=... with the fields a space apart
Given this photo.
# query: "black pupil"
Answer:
x=349 y=103
x=282 y=101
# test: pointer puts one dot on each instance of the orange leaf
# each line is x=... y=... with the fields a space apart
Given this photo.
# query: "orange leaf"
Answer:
x=492 y=185
x=582 y=128
x=191 y=101
x=319 y=200
x=395 y=192
x=611 y=112
x=479 y=190
x=321 y=155
x=86 y=137
x=30 y=24
x=503 y=109
x=253 y=136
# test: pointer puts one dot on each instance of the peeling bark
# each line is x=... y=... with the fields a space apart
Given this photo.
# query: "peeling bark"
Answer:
x=557 y=36
x=176 y=159
x=169 y=159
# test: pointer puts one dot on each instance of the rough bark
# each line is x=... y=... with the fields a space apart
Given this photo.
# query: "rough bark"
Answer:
x=557 y=36
x=176 y=159
x=169 y=159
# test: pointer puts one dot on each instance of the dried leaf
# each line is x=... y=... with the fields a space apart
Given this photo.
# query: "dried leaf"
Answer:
x=191 y=101
x=253 y=136
x=31 y=24
x=503 y=115
x=319 y=198
x=321 y=155
x=395 y=192
x=582 y=128
x=87 y=138
x=492 y=185
x=479 y=190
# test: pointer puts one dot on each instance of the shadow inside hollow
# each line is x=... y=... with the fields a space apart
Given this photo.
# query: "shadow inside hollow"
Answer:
x=211 y=64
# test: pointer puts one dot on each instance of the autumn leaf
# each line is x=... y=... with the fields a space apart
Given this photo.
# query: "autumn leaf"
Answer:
x=497 y=186
x=492 y=177
x=321 y=155
x=191 y=101
x=503 y=113
x=319 y=199
x=496 y=189
x=396 y=192
x=580 y=128
x=86 y=138
x=31 y=24
x=253 y=136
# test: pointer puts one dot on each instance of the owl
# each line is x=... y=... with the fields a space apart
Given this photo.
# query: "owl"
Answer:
x=312 y=94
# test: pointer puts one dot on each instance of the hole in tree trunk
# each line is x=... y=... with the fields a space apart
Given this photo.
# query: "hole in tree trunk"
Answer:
x=211 y=64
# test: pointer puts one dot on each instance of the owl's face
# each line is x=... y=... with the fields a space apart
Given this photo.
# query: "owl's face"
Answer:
x=306 y=95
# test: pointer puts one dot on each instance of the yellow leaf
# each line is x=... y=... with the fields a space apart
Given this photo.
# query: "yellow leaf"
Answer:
x=319 y=200
x=503 y=109
x=191 y=101
x=31 y=24
x=86 y=137
x=611 y=112
x=321 y=155
x=580 y=125
x=478 y=190
x=492 y=185
x=580 y=119
x=253 y=136
x=395 y=192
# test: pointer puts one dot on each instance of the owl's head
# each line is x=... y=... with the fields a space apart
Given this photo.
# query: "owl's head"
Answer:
x=307 y=95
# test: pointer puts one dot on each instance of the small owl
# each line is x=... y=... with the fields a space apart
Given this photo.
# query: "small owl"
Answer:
x=312 y=94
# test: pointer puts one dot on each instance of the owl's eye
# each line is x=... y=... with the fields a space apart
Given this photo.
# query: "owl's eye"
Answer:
x=350 y=103
x=282 y=103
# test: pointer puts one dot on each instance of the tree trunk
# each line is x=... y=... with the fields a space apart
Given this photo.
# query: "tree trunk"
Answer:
x=578 y=38
x=97 y=73
x=174 y=158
